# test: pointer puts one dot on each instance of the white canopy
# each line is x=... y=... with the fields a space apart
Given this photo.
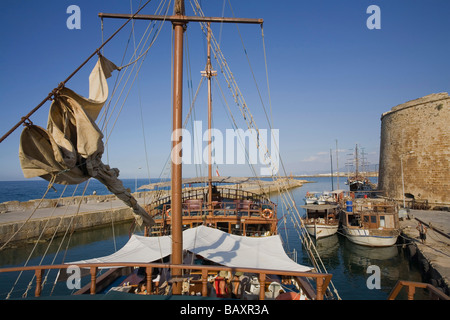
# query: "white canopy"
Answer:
x=212 y=244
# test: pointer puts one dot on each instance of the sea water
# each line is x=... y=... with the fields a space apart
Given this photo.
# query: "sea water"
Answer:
x=347 y=262
x=25 y=190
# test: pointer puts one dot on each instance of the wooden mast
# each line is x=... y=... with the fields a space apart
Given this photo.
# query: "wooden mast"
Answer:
x=177 y=125
x=209 y=73
x=179 y=21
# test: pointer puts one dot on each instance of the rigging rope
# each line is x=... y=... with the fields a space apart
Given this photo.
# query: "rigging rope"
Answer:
x=62 y=84
x=50 y=185
x=286 y=195
x=54 y=177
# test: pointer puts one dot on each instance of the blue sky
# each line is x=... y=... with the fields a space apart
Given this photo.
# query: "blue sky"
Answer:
x=330 y=77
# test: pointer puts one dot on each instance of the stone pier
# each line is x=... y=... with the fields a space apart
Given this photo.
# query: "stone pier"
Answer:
x=433 y=256
x=21 y=221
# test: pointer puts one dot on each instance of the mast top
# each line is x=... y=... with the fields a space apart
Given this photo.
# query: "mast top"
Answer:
x=178 y=8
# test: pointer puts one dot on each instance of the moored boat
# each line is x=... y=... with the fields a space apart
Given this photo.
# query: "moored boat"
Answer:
x=321 y=220
x=311 y=197
x=371 y=222
x=359 y=183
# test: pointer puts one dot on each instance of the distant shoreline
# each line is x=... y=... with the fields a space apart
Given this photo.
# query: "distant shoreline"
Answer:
x=341 y=175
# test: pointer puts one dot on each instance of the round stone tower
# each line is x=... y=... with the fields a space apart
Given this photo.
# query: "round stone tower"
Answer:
x=416 y=136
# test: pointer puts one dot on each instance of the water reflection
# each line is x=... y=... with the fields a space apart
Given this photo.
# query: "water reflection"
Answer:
x=328 y=247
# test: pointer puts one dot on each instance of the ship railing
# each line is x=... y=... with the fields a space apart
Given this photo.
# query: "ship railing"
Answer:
x=218 y=209
x=233 y=202
x=322 y=280
x=225 y=192
x=435 y=294
x=372 y=207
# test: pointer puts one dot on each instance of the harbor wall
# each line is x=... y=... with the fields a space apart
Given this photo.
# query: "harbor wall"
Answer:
x=430 y=274
x=43 y=219
x=430 y=255
x=25 y=221
x=47 y=227
x=417 y=133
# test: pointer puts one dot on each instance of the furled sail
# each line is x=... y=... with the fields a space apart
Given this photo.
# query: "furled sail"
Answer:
x=70 y=150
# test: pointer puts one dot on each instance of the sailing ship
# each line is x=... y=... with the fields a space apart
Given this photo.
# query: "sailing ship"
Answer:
x=229 y=208
x=358 y=183
x=183 y=247
x=371 y=222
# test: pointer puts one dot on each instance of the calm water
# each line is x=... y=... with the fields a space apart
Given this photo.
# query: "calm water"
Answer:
x=347 y=262
x=35 y=189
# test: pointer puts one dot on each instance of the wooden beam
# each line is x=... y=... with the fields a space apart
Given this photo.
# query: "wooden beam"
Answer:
x=180 y=19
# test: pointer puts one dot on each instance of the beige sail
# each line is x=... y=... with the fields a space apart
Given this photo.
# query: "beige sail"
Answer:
x=70 y=150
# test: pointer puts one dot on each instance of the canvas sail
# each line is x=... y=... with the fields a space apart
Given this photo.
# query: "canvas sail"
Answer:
x=69 y=151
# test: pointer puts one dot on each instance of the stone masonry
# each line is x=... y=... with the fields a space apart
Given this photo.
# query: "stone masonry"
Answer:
x=417 y=132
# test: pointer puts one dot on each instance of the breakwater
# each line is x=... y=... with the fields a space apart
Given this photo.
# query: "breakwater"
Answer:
x=45 y=218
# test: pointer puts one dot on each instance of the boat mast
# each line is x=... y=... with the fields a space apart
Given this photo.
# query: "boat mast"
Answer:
x=177 y=125
x=331 y=171
x=337 y=164
x=179 y=21
x=209 y=73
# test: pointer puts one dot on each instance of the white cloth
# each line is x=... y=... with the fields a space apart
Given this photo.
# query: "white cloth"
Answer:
x=212 y=244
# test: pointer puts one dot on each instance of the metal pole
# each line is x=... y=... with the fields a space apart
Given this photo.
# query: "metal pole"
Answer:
x=403 y=180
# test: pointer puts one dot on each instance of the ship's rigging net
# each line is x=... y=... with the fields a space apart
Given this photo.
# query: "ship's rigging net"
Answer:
x=70 y=150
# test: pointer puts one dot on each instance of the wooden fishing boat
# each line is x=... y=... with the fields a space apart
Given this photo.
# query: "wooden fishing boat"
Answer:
x=371 y=222
x=322 y=220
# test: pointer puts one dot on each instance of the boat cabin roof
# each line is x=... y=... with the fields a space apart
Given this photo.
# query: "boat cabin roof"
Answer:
x=319 y=206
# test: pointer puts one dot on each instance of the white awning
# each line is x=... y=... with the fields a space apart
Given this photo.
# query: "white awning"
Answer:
x=212 y=244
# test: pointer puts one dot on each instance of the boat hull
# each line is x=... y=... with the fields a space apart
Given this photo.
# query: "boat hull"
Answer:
x=367 y=237
x=319 y=231
x=310 y=200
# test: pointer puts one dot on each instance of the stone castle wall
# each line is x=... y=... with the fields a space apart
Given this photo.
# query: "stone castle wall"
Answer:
x=419 y=132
